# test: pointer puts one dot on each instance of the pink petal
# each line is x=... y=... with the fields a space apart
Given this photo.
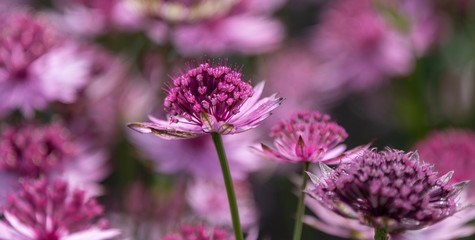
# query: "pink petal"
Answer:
x=256 y=114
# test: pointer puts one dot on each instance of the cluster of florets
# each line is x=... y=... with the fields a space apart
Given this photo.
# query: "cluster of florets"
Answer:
x=306 y=136
x=23 y=39
x=32 y=150
x=200 y=232
x=218 y=91
x=389 y=190
x=43 y=209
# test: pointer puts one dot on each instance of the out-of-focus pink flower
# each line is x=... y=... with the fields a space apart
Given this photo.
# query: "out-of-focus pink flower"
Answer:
x=33 y=150
x=373 y=39
x=245 y=34
x=312 y=89
x=197 y=157
x=211 y=26
x=52 y=210
x=96 y=112
x=201 y=232
x=450 y=150
x=210 y=99
x=208 y=200
x=306 y=137
x=90 y=17
x=37 y=65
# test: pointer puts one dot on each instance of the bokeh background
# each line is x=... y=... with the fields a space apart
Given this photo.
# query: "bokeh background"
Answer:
x=387 y=71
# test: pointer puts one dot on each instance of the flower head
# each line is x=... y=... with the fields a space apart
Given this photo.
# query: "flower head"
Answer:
x=448 y=150
x=32 y=150
x=31 y=51
x=43 y=210
x=388 y=189
x=210 y=99
x=372 y=39
x=306 y=136
x=200 y=232
x=334 y=224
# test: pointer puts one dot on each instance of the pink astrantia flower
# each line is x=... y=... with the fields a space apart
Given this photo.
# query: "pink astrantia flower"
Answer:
x=51 y=210
x=197 y=156
x=207 y=201
x=329 y=222
x=31 y=52
x=34 y=150
x=452 y=149
x=210 y=99
x=373 y=39
x=390 y=190
x=306 y=137
x=201 y=232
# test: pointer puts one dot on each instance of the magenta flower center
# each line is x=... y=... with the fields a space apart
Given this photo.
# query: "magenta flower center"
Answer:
x=51 y=210
x=217 y=91
x=32 y=150
x=316 y=130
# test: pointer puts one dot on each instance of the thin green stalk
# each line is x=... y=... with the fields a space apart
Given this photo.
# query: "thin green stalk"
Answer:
x=218 y=143
x=301 y=204
x=381 y=234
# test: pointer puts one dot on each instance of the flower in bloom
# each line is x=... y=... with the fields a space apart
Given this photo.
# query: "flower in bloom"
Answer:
x=207 y=201
x=210 y=99
x=197 y=156
x=390 y=190
x=51 y=210
x=37 y=64
x=334 y=224
x=306 y=136
x=452 y=149
x=34 y=150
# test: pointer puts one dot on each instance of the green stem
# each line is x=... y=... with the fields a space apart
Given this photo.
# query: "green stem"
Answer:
x=218 y=143
x=301 y=204
x=381 y=234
